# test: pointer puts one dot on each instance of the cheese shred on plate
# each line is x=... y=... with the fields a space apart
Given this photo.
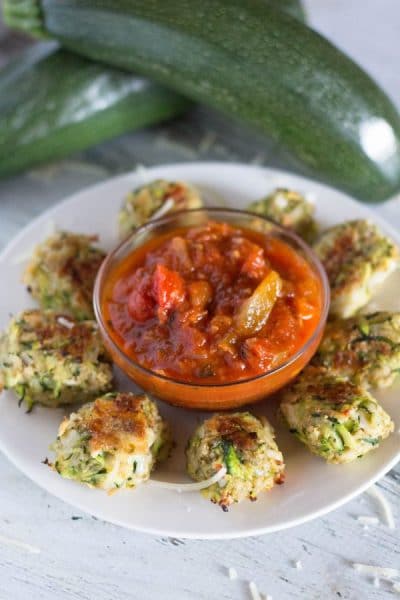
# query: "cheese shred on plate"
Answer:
x=164 y=209
x=65 y=323
x=190 y=487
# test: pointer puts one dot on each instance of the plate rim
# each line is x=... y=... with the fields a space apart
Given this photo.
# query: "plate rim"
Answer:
x=252 y=530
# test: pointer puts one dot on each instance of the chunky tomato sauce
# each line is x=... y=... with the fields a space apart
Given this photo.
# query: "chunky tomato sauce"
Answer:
x=212 y=304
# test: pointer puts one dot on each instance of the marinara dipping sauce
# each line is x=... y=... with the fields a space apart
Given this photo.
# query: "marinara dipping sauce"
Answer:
x=212 y=304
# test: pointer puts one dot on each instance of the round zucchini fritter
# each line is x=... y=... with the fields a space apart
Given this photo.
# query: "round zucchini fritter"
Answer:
x=289 y=209
x=246 y=446
x=336 y=419
x=357 y=257
x=62 y=272
x=48 y=358
x=365 y=348
x=141 y=204
x=113 y=442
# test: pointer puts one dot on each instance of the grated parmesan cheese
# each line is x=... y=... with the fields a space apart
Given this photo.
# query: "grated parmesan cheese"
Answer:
x=385 y=572
x=164 y=209
x=70 y=382
x=366 y=520
x=232 y=573
x=207 y=141
x=190 y=487
x=255 y=594
x=11 y=542
x=142 y=172
x=65 y=323
x=274 y=454
x=376 y=494
x=26 y=359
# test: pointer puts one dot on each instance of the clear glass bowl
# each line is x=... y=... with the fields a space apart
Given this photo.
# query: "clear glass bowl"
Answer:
x=208 y=396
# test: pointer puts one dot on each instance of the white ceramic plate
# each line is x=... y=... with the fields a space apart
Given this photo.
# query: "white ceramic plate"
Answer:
x=312 y=487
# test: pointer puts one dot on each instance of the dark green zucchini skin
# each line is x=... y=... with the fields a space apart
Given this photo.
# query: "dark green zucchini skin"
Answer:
x=54 y=103
x=47 y=108
x=292 y=7
x=250 y=61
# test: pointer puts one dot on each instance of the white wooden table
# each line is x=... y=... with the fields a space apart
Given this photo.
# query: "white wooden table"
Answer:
x=50 y=551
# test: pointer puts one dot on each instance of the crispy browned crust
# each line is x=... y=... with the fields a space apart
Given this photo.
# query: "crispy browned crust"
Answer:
x=332 y=392
x=71 y=260
x=49 y=333
x=341 y=253
x=316 y=382
x=345 y=248
x=82 y=274
x=116 y=420
x=232 y=429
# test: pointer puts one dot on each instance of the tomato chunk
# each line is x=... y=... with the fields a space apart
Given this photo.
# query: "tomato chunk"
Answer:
x=200 y=293
x=169 y=291
x=140 y=301
x=255 y=265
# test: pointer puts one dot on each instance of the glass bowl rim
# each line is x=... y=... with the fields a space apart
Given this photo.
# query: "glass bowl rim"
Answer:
x=311 y=257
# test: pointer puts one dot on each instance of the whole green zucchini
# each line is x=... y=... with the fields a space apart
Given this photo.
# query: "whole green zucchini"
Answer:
x=43 y=118
x=250 y=61
x=53 y=103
